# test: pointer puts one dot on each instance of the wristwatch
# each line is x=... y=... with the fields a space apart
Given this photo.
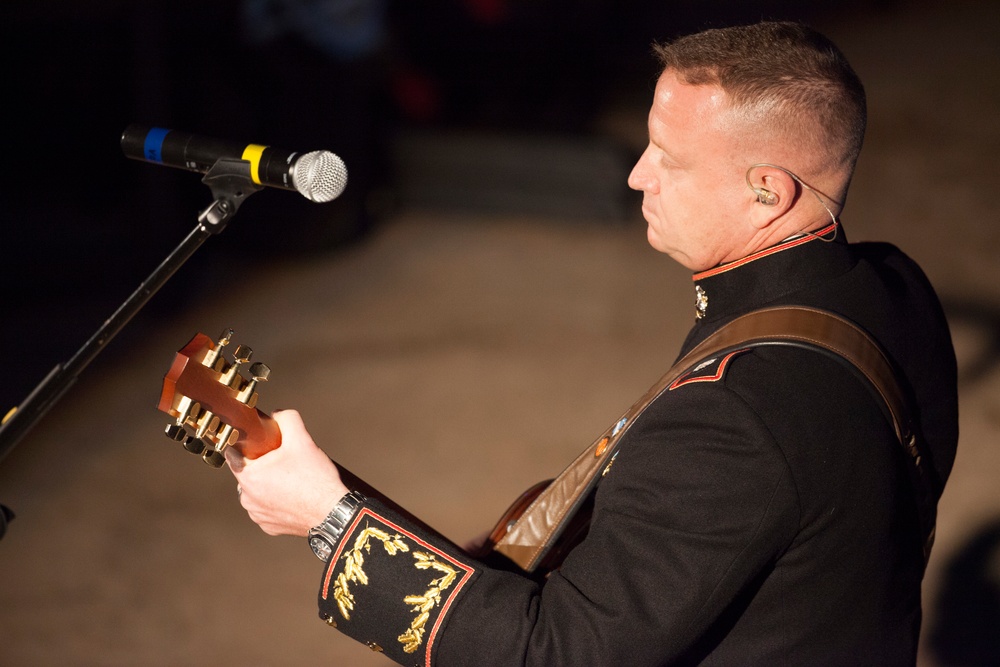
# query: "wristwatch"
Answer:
x=323 y=538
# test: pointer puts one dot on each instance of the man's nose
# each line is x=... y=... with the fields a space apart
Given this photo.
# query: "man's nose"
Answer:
x=641 y=178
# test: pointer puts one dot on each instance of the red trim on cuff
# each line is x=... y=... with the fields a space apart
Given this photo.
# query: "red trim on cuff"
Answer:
x=366 y=512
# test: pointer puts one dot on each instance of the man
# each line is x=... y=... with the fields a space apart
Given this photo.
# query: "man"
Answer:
x=760 y=511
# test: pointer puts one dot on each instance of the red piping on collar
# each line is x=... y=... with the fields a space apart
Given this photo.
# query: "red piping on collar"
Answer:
x=765 y=252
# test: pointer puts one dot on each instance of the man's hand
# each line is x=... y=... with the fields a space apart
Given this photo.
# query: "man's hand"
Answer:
x=292 y=488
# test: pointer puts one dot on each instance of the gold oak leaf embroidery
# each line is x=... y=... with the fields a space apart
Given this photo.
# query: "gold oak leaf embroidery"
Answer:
x=423 y=604
x=353 y=562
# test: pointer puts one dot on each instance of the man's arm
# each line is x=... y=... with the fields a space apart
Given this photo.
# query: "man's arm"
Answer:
x=676 y=517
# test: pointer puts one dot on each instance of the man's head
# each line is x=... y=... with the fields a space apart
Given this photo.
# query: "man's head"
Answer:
x=739 y=100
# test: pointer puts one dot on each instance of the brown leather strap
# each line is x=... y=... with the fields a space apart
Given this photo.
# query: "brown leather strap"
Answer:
x=528 y=540
x=815 y=328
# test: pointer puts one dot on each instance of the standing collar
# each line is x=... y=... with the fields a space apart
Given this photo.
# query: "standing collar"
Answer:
x=759 y=278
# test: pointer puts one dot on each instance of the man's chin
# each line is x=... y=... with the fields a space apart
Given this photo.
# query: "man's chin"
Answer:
x=656 y=242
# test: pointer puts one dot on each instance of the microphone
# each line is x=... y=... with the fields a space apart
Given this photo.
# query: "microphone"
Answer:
x=319 y=176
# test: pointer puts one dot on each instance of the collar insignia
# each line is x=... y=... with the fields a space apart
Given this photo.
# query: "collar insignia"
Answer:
x=700 y=302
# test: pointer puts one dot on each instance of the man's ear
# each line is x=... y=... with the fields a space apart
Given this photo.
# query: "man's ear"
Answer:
x=773 y=190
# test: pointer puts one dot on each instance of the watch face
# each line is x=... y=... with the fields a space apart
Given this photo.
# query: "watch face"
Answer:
x=321 y=548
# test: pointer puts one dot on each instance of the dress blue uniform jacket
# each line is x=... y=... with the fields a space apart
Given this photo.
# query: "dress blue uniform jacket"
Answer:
x=758 y=513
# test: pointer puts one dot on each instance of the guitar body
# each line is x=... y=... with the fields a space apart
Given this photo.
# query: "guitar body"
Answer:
x=214 y=407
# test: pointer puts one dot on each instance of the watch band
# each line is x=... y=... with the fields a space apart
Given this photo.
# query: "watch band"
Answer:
x=323 y=538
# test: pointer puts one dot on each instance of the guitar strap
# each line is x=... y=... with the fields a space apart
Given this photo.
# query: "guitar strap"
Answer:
x=538 y=528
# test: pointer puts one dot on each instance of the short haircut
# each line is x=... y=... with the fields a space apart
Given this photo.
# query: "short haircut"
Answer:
x=788 y=75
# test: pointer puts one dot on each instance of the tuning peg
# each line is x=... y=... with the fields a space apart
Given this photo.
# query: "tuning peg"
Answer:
x=195 y=445
x=215 y=355
x=231 y=377
x=259 y=372
x=208 y=423
x=227 y=436
x=187 y=409
x=214 y=458
x=175 y=432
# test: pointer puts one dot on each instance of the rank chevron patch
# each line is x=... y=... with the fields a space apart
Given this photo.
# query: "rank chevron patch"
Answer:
x=709 y=370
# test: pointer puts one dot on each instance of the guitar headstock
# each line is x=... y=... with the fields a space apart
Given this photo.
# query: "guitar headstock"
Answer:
x=213 y=405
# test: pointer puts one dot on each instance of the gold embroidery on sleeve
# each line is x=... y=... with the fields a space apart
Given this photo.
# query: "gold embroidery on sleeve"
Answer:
x=353 y=572
x=423 y=604
x=354 y=559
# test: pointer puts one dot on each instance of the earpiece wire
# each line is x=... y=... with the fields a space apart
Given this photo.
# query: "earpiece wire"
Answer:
x=806 y=186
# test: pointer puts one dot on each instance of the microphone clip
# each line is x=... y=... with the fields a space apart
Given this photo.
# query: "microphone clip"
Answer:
x=230 y=183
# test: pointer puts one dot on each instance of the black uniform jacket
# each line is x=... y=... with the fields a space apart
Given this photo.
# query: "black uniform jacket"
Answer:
x=758 y=513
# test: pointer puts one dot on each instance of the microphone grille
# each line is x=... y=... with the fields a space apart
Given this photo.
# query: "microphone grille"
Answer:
x=319 y=176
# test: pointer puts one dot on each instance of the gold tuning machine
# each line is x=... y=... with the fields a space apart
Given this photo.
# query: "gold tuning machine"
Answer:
x=214 y=356
x=200 y=425
x=248 y=393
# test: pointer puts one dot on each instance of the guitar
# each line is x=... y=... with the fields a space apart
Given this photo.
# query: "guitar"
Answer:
x=214 y=407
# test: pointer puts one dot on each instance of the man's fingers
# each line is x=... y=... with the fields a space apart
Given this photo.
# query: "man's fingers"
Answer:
x=235 y=459
x=291 y=426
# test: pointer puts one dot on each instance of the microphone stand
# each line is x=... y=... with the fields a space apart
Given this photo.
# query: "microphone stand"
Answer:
x=230 y=183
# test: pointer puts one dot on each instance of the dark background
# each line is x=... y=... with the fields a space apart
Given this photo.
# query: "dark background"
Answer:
x=392 y=88
x=82 y=226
